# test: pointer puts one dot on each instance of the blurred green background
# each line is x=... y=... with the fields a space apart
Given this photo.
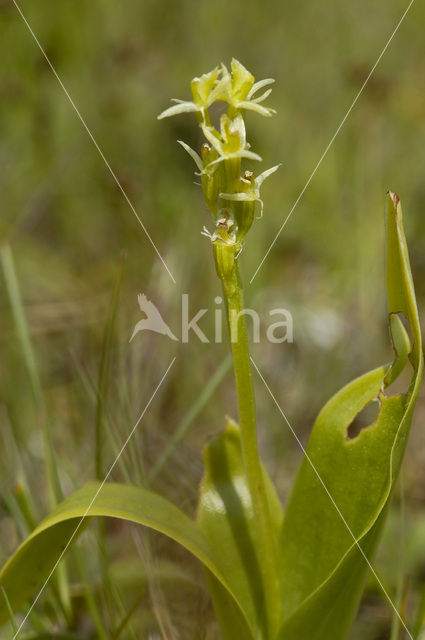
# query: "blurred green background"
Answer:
x=68 y=225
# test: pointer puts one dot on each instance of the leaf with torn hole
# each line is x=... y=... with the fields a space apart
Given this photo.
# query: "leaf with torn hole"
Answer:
x=338 y=505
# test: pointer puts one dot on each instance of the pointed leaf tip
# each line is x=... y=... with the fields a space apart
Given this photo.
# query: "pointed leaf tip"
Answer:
x=394 y=197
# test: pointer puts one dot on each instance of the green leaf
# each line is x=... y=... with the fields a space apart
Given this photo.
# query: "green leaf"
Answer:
x=323 y=568
x=30 y=566
x=226 y=517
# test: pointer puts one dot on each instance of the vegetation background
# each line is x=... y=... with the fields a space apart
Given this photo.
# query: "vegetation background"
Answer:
x=68 y=224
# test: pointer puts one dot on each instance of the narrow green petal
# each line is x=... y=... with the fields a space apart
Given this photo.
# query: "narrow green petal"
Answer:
x=262 y=97
x=180 y=107
x=195 y=156
x=250 y=155
x=211 y=135
x=260 y=179
x=259 y=85
x=239 y=197
x=253 y=106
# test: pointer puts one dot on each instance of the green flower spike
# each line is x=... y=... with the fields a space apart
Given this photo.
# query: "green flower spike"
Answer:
x=230 y=192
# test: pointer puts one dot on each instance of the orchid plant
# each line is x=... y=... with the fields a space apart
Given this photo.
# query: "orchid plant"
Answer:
x=272 y=575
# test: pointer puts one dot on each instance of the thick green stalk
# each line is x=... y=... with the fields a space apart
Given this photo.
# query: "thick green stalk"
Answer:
x=233 y=293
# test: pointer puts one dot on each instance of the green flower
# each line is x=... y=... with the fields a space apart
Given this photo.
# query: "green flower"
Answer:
x=224 y=233
x=237 y=88
x=250 y=188
x=203 y=96
x=231 y=141
x=241 y=88
x=211 y=178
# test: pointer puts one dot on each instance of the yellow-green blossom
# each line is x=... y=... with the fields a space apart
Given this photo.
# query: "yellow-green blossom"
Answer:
x=237 y=88
x=219 y=163
x=250 y=188
x=203 y=96
x=231 y=141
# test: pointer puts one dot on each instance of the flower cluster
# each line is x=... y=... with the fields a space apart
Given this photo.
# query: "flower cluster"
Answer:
x=231 y=195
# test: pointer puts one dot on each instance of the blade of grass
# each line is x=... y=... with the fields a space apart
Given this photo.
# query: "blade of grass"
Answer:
x=136 y=462
x=102 y=390
x=157 y=600
x=111 y=433
x=12 y=506
x=24 y=500
x=89 y=597
x=420 y=617
x=190 y=416
x=19 y=317
x=124 y=622
x=105 y=365
x=52 y=476
x=18 y=500
x=10 y=612
x=15 y=299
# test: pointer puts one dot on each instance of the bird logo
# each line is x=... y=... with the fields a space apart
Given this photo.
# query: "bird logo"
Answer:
x=153 y=321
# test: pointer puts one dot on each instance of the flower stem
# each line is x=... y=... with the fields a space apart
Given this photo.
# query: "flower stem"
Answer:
x=233 y=293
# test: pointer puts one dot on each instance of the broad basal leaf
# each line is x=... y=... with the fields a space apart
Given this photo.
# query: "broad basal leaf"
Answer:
x=323 y=567
x=226 y=517
x=28 y=568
